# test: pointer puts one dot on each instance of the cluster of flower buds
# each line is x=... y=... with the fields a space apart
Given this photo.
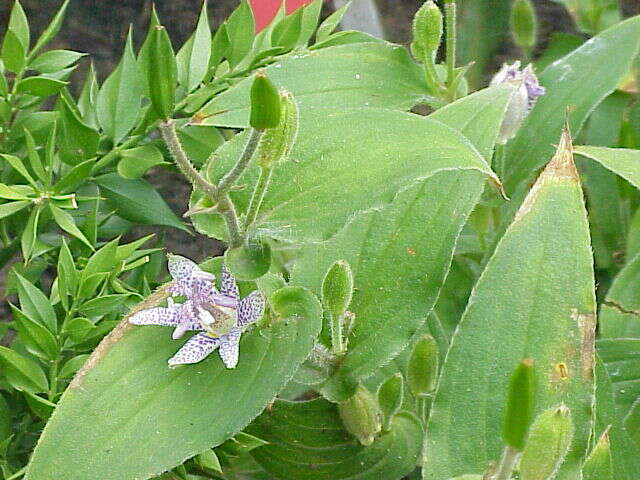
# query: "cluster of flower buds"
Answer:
x=219 y=317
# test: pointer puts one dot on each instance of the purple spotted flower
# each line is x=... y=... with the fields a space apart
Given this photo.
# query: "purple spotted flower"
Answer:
x=524 y=98
x=219 y=317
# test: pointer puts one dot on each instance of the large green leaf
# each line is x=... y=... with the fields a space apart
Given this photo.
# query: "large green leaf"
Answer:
x=128 y=416
x=360 y=75
x=404 y=249
x=579 y=81
x=620 y=312
x=534 y=299
x=308 y=442
x=346 y=162
x=626 y=462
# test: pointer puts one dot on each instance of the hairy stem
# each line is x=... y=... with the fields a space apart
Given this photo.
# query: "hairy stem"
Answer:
x=168 y=131
x=507 y=463
x=450 y=19
x=258 y=195
x=337 y=342
x=228 y=211
x=238 y=169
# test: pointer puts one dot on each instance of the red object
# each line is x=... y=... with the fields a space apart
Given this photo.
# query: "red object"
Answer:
x=265 y=10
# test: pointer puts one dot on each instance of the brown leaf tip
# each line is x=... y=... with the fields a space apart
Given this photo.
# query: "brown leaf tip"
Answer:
x=562 y=164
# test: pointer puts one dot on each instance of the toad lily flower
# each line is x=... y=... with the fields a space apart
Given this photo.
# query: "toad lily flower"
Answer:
x=523 y=99
x=220 y=317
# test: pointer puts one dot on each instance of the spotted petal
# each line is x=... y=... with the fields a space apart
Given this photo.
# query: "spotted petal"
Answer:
x=168 y=317
x=228 y=284
x=229 y=348
x=196 y=349
x=251 y=308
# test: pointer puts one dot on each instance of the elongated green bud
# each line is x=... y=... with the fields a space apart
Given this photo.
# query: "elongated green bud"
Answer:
x=276 y=143
x=427 y=30
x=265 y=103
x=520 y=404
x=547 y=445
x=524 y=24
x=337 y=288
x=390 y=396
x=598 y=465
x=161 y=72
x=361 y=416
x=422 y=372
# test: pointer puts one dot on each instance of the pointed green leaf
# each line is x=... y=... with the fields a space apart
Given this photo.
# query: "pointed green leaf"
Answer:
x=40 y=86
x=34 y=160
x=88 y=98
x=65 y=222
x=193 y=57
x=307 y=440
x=136 y=161
x=534 y=299
x=37 y=338
x=163 y=401
x=35 y=304
x=240 y=28
x=18 y=165
x=67 y=275
x=55 y=60
x=28 y=238
x=19 y=25
x=22 y=372
x=52 y=29
x=13 y=53
x=10 y=208
x=620 y=312
x=118 y=102
x=137 y=201
x=330 y=23
x=79 y=140
x=363 y=75
x=622 y=161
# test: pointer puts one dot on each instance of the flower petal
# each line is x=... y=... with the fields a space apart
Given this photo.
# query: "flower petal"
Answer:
x=180 y=268
x=251 y=308
x=196 y=349
x=230 y=348
x=228 y=284
x=168 y=317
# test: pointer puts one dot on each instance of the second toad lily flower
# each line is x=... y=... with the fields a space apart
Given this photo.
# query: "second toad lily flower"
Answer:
x=524 y=98
x=220 y=317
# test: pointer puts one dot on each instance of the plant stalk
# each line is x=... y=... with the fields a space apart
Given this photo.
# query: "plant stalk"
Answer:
x=258 y=195
x=450 y=19
x=238 y=169
x=168 y=131
x=337 y=342
x=507 y=463
x=228 y=211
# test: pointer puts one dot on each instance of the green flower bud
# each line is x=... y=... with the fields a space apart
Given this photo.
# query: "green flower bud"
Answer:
x=524 y=24
x=422 y=372
x=337 y=288
x=265 y=103
x=390 y=396
x=249 y=261
x=427 y=30
x=361 y=416
x=276 y=143
x=547 y=445
x=520 y=404
x=598 y=465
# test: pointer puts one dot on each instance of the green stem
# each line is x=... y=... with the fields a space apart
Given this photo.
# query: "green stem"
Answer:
x=241 y=165
x=423 y=404
x=228 y=211
x=53 y=379
x=18 y=474
x=337 y=342
x=450 y=19
x=168 y=131
x=432 y=75
x=507 y=463
x=258 y=195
